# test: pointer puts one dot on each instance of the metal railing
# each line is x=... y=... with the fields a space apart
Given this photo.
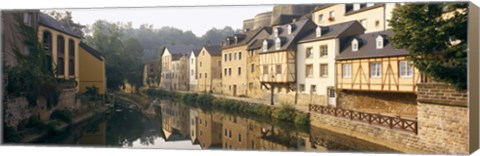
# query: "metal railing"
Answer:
x=397 y=123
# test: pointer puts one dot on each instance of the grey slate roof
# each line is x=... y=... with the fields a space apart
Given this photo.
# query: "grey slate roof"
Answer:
x=344 y=29
x=48 y=21
x=367 y=47
x=195 y=52
x=301 y=27
x=244 y=38
x=284 y=19
x=92 y=51
x=214 y=50
x=179 y=51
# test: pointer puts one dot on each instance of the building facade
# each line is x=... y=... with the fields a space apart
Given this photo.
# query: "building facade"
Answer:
x=373 y=16
x=192 y=70
x=174 y=76
x=277 y=58
x=151 y=73
x=316 y=62
x=209 y=68
x=235 y=62
x=92 y=69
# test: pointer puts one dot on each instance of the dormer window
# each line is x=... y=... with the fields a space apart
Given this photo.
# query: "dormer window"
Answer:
x=290 y=28
x=379 y=42
x=235 y=40
x=228 y=41
x=265 y=46
x=355 y=45
x=278 y=43
x=318 y=32
x=276 y=31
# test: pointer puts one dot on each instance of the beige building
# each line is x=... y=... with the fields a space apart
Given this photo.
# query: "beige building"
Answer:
x=316 y=54
x=237 y=68
x=192 y=73
x=373 y=16
x=277 y=59
x=209 y=134
x=209 y=68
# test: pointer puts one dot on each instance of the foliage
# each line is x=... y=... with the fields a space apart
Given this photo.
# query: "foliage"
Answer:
x=65 y=18
x=33 y=76
x=10 y=135
x=92 y=93
x=285 y=113
x=437 y=45
x=62 y=114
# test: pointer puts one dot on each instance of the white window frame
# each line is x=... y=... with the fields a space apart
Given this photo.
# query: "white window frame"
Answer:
x=355 y=45
x=346 y=70
x=309 y=73
x=405 y=69
x=265 y=46
x=376 y=69
x=309 y=52
x=318 y=31
x=379 y=42
x=322 y=48
x=363 y=22
x=324 y=72
x=320 y=18
x=278 y=43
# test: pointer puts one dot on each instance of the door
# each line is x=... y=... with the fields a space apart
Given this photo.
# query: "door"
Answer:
x=331 y=97
x=234 y=90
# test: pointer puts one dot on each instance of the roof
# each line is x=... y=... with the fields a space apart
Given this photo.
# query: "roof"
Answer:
x=289 y=40
x=284 y=19
x=48 y=21
x=214 y=49
x=179 y=51
x=334 y=31
x=367 y=47
x=244 y=38
x=92 y=51
x=195 y=52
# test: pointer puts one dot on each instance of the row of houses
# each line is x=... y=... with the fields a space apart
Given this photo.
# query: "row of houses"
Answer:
x=336 y=50
x=71 y=58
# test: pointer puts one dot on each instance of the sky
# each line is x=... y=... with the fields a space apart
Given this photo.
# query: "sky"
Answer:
x=196 y=19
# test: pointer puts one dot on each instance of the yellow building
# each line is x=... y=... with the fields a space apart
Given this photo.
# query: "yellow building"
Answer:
x=277 y=58
x=92 y=69
x=174 y=72
x=236 y=63
x=372 y=16
x=209 y=69
x=62 y=47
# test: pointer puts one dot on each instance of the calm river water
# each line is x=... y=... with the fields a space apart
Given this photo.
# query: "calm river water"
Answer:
x=179 y=127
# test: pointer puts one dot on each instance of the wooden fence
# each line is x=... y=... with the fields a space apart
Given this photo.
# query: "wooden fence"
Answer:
x=374 y=119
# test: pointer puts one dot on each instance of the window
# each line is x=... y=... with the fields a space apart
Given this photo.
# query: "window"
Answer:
x=289 y=29
x=225 y=71
x=225 y=57
x=406 y=69
x=265 y=69
x=229 y=71
x=355 y=45
x=323 y=70
x=320 y=18
x=313 y=88
x=252 y=68
x=239 y=137
x=191 y=72
x=309 y=53
x=226 y=132
x=230 y=134
x=239 y=70
x=318 y=31
x=346 y=70
x=234 y=56
x=309 y=70
x=200 y=64
x=278 y=43
x=250 y=85
x=323 y=51
x=239 y=55
x=379 y=41
x=230 y=57
x=71 y=53
x=265 y=46
x=27 y=19
x=364 y=23
x=200 y=76
x=302 y=87
x=60 y=66
x=332 y=13
x=278 y=69
x=205 y=75
x=375 y=69
x=219 y=63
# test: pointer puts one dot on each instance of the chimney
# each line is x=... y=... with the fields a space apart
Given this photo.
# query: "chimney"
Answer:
x=294 y=20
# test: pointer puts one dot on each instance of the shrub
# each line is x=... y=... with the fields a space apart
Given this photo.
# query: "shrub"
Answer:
x=301 y=119
x=92 y=93
x=285 y=113
x=11 y=135
x=62 y=114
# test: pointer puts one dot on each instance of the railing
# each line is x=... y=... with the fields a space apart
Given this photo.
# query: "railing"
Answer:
x=374 y=119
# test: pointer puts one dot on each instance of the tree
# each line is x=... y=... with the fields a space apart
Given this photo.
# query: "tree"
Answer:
x=435 y=34
x=66 y=19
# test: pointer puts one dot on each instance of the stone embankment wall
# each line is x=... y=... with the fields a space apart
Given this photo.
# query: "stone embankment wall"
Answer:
x=442 y=124
x=379 y=102
x=17 y=109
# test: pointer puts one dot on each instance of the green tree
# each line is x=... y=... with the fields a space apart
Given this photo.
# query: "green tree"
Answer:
x=437 y=43
x=66 y=19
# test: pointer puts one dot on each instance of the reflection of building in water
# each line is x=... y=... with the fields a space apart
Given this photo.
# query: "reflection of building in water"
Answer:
x=194 y=125
x=94 y=136
x=175 y=119
x=209 y=134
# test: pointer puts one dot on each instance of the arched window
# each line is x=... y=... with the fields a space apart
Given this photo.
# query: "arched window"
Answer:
x=355 y=45
x=265 y=45
x=278 y=43
x=60 y=55
x=47 y=41
x=71 y=57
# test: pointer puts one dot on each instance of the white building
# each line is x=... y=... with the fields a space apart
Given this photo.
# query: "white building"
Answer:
x=192 y=70
x=316 y=60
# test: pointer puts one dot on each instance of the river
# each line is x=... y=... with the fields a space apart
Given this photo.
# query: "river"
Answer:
x=177 y=126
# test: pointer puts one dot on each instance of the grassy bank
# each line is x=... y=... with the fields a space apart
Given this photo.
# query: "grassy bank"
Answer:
x=207 y=102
